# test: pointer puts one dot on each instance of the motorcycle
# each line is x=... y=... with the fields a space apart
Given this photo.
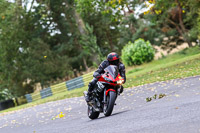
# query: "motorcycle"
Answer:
x=105 y=93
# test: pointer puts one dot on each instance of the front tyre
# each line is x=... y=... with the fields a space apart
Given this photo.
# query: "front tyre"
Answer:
x=110 y=101
x=91 y=113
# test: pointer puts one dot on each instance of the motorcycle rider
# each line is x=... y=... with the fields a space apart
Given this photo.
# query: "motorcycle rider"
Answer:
x=112 y=59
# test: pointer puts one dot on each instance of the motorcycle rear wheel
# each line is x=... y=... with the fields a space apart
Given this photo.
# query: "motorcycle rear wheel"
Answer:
x=108 y=107
x=92 y=114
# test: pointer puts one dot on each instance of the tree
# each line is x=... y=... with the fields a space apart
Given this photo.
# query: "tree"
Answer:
x=105 y=19
x=42 y=44
x=175 y=14
x=57 y=39
x=26 y=56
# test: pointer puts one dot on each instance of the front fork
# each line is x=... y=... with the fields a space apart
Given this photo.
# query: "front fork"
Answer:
x=104 y=97
x=106 y=93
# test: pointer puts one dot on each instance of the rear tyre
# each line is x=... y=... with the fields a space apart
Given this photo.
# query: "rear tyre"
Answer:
x=110 y=99
x=92 y=114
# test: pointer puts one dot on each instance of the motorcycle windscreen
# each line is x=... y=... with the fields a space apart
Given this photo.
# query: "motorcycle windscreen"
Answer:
x=112 y=70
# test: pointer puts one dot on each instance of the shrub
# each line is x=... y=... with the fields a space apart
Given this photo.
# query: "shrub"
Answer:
x=5 y=94
x=137 y=53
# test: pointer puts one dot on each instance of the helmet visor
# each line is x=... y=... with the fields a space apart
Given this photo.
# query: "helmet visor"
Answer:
x=115 y=62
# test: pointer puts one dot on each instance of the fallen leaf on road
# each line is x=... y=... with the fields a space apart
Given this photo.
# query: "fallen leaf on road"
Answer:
x=13 y=121
x=148 y=99
x=176 y=95
x=176 y=108
x=152 y=89
x=61 y=115
x=155 y=96
x=161 y=96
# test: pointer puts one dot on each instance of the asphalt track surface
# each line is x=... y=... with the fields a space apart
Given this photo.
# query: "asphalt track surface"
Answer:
x=177 y=112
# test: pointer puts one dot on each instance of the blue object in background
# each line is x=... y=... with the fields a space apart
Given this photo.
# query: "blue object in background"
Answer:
x=28 y=98
x=75 y=83
x=46 y=92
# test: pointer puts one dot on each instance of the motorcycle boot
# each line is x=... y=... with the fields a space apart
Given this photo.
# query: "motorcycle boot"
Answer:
x=87 y=96
x=121 y=89
x=90 y=88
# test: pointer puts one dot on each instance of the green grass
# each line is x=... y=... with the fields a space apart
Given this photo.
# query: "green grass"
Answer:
x=58 y=96
x=185 y=55
x=177 y=70
x=183 y=64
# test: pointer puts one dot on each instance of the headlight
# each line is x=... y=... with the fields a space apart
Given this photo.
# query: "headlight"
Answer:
x=120 y=82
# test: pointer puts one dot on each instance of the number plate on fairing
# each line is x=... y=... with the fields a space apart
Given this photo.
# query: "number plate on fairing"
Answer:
x=100 y=86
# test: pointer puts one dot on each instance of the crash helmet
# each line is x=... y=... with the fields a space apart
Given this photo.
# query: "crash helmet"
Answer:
x=113 y=58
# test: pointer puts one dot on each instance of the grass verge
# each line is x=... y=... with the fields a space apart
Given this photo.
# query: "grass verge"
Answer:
x=183 y=64
x=55 y=97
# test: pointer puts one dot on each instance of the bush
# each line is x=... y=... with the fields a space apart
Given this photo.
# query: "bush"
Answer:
x=137 y=53
x=5 y=94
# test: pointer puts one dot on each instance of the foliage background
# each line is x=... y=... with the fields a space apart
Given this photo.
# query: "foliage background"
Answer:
x=137 y=53
x=48 y=41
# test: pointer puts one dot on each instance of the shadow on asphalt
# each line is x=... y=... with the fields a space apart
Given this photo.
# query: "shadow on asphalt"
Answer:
x=110 y=115
x=120 y=112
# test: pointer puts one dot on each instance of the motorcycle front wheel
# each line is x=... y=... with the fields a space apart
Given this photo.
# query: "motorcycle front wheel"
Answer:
x=109 y=105
x=91 y=113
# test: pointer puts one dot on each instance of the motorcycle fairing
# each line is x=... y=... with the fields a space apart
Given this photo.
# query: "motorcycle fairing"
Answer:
x=110 y=90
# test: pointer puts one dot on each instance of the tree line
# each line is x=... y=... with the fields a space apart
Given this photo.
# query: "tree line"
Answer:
x=42 y=41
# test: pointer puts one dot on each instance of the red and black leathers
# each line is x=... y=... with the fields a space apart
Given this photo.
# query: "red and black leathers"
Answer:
x=100 y=70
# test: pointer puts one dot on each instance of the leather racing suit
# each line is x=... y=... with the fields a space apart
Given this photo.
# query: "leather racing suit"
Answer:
x=100 y=70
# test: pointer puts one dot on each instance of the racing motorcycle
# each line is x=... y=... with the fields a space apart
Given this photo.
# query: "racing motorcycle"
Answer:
x=105 y=93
